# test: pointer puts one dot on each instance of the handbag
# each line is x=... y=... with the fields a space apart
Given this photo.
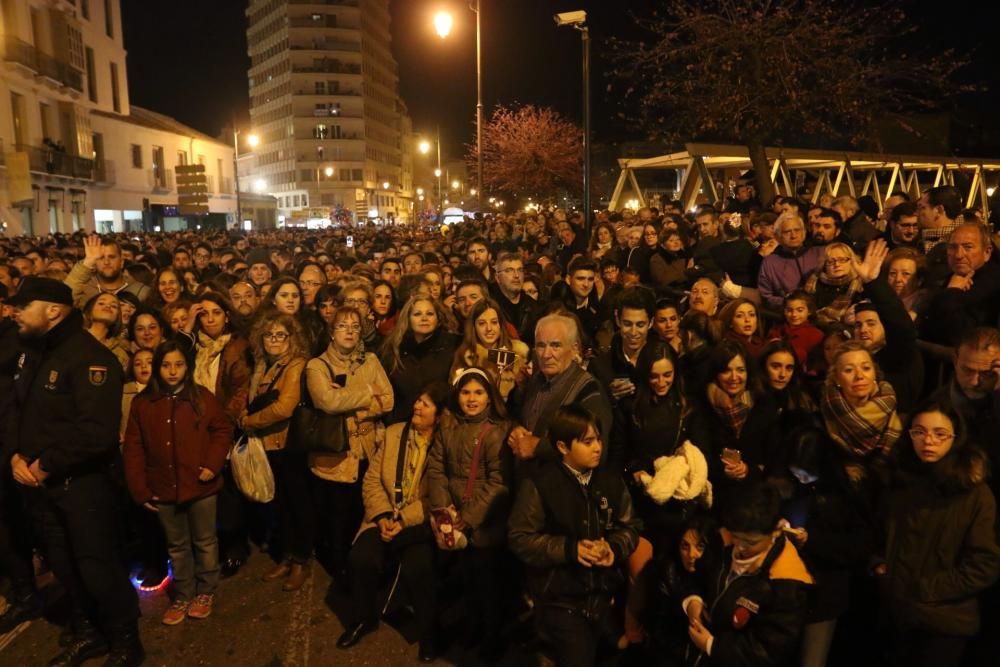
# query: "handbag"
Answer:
x=312 y=429
x=251 y=471
x=268 y=397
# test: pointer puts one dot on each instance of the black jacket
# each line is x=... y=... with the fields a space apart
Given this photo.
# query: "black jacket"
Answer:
x=420 y=364
x=952 y=312
x=68 y=389
x=941 y=552
x=523 y=315
x=552 y=513
x=739 y=259
x=757 y=619
x=899 y=358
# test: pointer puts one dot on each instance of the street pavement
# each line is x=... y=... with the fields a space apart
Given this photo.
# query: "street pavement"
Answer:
x=254 y=624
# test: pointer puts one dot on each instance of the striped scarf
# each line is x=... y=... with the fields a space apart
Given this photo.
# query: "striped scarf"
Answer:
x=733 y=411
x=861 y=431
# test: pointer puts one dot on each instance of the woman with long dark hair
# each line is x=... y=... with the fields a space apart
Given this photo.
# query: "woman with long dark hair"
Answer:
x=487 y=329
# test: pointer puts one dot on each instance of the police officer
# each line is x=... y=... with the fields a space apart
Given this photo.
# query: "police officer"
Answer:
x=68 y=390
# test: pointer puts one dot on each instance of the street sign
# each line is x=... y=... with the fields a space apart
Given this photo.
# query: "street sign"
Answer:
x=192 y=189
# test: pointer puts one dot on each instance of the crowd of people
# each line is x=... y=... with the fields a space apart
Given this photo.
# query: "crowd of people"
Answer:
x=739 y=435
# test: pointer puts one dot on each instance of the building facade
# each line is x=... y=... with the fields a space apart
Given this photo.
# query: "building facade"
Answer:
x=324 y=101
x=76 y=155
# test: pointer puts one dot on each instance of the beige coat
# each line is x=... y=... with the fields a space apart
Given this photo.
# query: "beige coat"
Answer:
x=366 y=396
x=271 y=423
x=378 y=489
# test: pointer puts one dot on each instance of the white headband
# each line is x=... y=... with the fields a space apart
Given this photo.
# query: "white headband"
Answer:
x=462 y=372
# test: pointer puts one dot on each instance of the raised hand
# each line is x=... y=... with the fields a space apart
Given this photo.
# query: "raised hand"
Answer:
x=869 y=268
x=91 y=250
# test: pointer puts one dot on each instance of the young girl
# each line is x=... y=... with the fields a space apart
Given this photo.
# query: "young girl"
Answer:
x=175 y=446
x=797 y=330
x=941 y=552
x=140 y=369
x=467 y=474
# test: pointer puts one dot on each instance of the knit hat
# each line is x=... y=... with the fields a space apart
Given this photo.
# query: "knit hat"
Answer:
x=258 y=256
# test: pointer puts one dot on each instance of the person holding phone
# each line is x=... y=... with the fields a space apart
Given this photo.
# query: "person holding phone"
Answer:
x=738 y=421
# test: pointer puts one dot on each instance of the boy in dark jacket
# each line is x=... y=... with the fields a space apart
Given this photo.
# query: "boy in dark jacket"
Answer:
x=753 y=608
x=572 y=525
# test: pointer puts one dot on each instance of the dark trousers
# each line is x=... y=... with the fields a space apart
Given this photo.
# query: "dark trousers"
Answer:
x=570 y=635
x=16 y=537
x=481 y=576
x=78 y=524
x=234 y=526
x=413 y=549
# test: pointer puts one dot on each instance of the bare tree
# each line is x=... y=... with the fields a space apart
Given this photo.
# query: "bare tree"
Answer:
x=758 y=72
x=530 y=151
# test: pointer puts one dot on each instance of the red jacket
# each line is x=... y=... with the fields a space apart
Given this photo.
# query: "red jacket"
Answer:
x=166 y=442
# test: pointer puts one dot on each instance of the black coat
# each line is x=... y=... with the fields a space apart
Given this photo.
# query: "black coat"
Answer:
x=952 y=312
x=739 y=259
x=551 y=514
x=899 y=359
x=68 y=389
x=419 y=365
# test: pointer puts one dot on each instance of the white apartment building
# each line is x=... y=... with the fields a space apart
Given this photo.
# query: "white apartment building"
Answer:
x=324 y=101
x=95 y=161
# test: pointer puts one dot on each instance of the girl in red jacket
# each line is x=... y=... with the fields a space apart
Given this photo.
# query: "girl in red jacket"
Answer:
x=175 y=446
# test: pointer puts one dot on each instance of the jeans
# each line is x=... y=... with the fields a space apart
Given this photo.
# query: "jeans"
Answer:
x=193 y=545
x=572 y=638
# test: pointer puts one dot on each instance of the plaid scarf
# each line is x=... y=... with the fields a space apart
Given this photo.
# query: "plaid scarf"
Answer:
x=861 y=431
x=732 y=411
x=834 y=311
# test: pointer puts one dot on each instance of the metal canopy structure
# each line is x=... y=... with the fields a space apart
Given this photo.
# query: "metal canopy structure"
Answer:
x=834 y=172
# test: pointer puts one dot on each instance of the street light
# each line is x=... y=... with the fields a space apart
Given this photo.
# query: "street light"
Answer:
x=253 y=140
x=260 y=185
x=442 y=24
x=328 y=171
x=578 y=20
x=424 y=147
x=455 y=185
x=385 y=185
x=420 y=191
x=437 y=172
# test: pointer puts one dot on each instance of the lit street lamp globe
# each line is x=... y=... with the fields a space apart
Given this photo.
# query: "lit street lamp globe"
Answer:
x=424 y=147
x=442 y=24
x=253 y=140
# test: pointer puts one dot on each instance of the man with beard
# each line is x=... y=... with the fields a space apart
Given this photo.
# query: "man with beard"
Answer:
x=244 y=297
x=903 y=229
x=68 y=390
x=102 y=269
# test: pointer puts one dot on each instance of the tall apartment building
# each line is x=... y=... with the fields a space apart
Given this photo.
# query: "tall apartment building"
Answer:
x=94 y=161
x=324 y=102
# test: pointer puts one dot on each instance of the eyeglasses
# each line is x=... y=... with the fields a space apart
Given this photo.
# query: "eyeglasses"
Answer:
x=511 y=269
x=938 y=434
x=837 y=260
x=354 y=303
x=908 y=226
x=276 y=336
x=353 y=328
x=311 y=283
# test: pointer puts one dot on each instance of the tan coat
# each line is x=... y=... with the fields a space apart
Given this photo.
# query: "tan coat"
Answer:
x=378 y=489
x=366 y=396
x=271 y=423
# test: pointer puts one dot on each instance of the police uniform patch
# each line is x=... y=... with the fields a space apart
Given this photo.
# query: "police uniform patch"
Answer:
x=98 y=375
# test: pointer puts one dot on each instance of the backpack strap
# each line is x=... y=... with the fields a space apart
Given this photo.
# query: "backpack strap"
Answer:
x=397 y=489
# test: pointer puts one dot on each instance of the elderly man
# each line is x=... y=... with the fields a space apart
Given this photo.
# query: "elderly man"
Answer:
x=559 y=381
x=101 y=270
x=784 y=269
x=970 y=296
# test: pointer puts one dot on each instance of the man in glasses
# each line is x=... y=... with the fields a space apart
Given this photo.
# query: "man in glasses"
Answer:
x=519 y=308
x=903 y=229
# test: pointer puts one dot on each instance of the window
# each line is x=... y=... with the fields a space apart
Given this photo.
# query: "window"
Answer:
x=218 y=168
x=345 y=174
x=306 y=175
x=321 y=88
x=319 y=132
x=356 y=175
x=45 y=112
x=109 y=19
x=136 y=156
x=85 y=9
x=182 y=158
x=116 y=102
x=91 y=78
x=17 y=109
x=305 y=200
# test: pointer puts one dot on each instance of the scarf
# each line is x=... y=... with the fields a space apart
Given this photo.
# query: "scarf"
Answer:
x=207 y=359
x=683 y=476
x=416 y=456
x=732 y=411
x=834 y=311
x=861 y=431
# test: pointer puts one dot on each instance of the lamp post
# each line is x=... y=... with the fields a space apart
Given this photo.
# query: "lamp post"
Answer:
x=578 y=20
x=253 y=140
x=425 y=147
x=443 y=23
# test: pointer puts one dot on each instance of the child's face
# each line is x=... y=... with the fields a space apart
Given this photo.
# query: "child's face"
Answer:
x=585 y=453
x=473 y=398
x=692 y=548
x=796 y=313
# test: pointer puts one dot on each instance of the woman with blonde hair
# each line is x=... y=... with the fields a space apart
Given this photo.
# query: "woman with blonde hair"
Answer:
x=488 y=344
x=835 y=284
x=418 y=351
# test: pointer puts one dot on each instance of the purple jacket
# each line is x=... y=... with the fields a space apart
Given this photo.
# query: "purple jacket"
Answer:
x=784 y=270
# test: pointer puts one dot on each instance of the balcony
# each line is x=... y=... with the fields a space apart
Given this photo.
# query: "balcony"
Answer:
x=324 y=21
x=42 y=64
x=48 y=160
x=341 y=3
x=332 y=93
x=104 y=172
x=327 y=45
x=161 y=180
x=330 y=67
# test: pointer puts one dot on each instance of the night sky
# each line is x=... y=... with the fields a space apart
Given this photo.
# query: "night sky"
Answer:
x=187 y=58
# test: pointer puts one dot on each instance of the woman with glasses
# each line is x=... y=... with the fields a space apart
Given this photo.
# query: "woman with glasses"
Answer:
x=835 y=284
x=280 y=352
x=941 y=547
x=345 y=380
